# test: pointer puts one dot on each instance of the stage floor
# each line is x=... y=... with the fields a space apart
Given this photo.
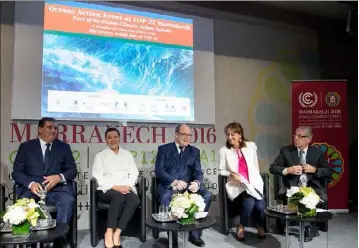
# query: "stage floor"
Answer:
x=343 y=232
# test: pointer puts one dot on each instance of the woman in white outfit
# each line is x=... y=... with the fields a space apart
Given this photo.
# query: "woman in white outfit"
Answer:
x=239 y=162
x=116 y=174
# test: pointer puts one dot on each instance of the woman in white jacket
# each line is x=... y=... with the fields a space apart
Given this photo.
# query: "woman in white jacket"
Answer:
x=116 y=173
x=239 y=162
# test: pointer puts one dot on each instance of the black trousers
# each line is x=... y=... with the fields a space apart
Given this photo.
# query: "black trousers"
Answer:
x=122 y=207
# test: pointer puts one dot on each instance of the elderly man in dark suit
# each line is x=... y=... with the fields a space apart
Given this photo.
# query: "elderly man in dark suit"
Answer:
x=302 y=165
x=46 y=162
x=178 y=165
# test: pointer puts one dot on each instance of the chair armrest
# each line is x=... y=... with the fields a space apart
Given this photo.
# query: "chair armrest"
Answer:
x=93 y=211
x=154 y=193
x=143 y=207
x=15 y=186
x=141 y=187
x=93 y=193
x=3 y=198
x=265 y=178
x=324 y=182
x=223 y=204
x=277 y=185
x=73 y=186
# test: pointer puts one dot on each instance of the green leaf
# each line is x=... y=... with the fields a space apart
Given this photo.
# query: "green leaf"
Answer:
x=39 y=211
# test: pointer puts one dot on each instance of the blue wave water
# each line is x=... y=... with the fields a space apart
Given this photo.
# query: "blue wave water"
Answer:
x=86 y=64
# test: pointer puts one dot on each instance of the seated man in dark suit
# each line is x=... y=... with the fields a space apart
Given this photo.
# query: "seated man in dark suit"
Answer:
x=47 y=163
x=302 y=165
x=178 y=165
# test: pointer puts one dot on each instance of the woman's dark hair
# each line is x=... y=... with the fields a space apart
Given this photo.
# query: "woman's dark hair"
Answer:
x=236 y=128
x=112 y=129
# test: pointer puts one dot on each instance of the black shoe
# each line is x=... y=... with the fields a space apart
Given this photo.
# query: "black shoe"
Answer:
x=196 y=241
x=118 y=246
x=308 y=234
x=315 y=231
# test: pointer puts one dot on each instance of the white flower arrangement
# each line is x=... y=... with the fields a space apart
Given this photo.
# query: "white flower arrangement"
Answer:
x=303 y=195
x=24 y=209
x=186 y=205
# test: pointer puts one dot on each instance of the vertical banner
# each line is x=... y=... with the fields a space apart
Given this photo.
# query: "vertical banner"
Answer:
x=322 y=105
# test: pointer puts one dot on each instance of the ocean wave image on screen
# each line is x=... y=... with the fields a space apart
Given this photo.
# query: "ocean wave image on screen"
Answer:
x=91 y=64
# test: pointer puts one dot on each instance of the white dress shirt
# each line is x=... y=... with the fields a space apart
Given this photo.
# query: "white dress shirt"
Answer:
x=112 y=169
x=43 y=147
x=179 y=149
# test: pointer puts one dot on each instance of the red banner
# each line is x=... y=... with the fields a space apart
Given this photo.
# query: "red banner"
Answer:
x=322 y=105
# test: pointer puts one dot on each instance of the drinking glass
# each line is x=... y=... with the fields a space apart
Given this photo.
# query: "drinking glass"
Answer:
x=165 y=212
x=161 y=212
x=42 y=194
x=278 y=204
x=304 y=180
x=47 y=222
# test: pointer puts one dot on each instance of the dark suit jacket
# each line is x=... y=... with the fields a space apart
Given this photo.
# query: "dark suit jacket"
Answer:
x=288 y=156
x=29 y=164
x=169 y=167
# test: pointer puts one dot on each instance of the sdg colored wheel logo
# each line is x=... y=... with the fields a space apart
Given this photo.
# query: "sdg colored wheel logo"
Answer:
x=334 y=159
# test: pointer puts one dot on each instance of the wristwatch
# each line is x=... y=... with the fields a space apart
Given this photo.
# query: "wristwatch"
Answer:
x=62 y=179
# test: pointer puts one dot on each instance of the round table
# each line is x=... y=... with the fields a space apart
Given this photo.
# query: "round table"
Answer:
x=203 y=223
x=36 y=237
x=321 y=216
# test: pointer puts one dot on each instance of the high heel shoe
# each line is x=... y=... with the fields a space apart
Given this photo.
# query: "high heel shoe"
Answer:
x=104 y=245
x=118 y=246
x=261 y=236
x=240 y=234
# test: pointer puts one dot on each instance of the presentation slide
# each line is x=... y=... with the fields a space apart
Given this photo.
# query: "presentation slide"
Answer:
x=103 y=62
x=112 y=62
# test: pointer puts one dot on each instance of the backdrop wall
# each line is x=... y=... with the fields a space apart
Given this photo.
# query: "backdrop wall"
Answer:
x=254 y=66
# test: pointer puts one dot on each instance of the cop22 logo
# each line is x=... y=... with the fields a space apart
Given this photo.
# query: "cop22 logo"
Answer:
x=308 y=99
x=335 y=160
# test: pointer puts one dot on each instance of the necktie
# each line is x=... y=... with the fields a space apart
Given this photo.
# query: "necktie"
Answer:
x=303 y=177
x=47 y=156
x=180 y=153
x=301 y=158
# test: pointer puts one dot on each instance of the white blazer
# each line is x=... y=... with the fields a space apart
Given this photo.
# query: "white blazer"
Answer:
x=228 y=162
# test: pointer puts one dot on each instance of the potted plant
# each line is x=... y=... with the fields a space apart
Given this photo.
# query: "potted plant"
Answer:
x=22 y=215
x=304 y=199
x=186 y=206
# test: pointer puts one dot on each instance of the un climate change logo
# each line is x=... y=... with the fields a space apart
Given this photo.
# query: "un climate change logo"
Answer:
x=308 y=99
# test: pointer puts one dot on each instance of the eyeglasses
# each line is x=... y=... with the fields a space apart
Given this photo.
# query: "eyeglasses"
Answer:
x=186 y=134
x=51 y=127
x=300 y=136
